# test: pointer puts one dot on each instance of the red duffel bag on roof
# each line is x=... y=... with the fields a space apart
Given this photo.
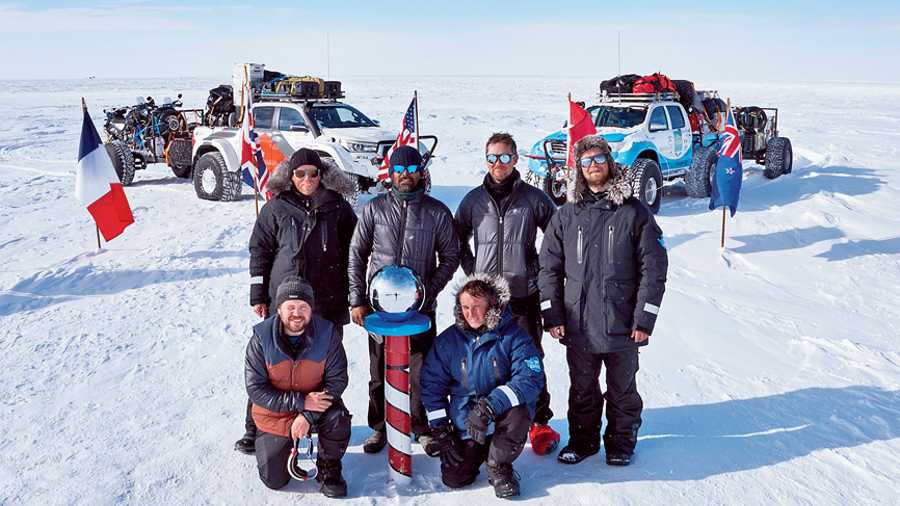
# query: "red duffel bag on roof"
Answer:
x=654 y=83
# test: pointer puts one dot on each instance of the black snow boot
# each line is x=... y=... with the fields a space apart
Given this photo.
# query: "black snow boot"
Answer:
x=618 y=459
x=333 y=484
x=573 y=454
x=376 y=442
x=246 y=444
x=504 y=479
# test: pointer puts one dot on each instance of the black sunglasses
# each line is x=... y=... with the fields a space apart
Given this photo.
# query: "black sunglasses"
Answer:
x=504 y=158
x=588 y=160
x=301 y=173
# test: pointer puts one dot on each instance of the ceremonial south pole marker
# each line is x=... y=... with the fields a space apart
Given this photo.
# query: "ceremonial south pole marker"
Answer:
x=396 y=388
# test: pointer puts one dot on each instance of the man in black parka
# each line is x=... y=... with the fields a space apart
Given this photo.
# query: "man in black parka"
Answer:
x=304 y=230
x=603 y=274
x=405 y=227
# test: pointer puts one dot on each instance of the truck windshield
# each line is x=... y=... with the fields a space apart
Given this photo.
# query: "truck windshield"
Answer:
x=339 y=116
x=619 y=117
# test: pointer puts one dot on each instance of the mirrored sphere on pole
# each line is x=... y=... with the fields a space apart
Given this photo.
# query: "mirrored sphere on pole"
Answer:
x=396 y=292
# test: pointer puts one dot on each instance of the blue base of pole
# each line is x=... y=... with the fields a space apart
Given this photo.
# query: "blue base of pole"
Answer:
x=416 y=323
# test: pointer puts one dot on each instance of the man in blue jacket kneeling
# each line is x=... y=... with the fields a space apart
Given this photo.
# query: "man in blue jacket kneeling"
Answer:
x=480 y=385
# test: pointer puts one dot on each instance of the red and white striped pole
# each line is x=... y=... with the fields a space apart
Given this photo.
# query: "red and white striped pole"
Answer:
x=396 y=403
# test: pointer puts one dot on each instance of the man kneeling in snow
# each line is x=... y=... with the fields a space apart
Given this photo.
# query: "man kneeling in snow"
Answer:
x=296 y=371
x=491 y=371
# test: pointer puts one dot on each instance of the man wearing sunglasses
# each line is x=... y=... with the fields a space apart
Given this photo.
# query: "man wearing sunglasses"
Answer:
x=603 y=274
x=402 y=227
x=503 y=215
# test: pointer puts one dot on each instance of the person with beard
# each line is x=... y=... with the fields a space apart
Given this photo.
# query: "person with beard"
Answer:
x=503 y=215
x=602 y=278
x=480 y=384
x=296 y=371
x=402 y=227
x=304 y=230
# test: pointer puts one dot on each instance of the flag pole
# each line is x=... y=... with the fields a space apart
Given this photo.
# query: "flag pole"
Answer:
x=246 y=110
x=722 y=239
x=416 y=99
x=96 y=227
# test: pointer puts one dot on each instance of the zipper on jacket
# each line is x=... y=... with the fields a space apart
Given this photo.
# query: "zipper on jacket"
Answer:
x=500 y=233
x=465 y=373
x=609 y=245
x=580 y=245
x=496 y=370
x=324 y=239
x=401 y=241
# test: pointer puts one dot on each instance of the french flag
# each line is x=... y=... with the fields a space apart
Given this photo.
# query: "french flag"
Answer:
x=96 y=185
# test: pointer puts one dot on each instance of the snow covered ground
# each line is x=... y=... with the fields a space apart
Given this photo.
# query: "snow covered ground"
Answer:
x=772 y=376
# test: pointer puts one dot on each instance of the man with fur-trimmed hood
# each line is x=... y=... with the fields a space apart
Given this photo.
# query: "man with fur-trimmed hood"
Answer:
x=304 y=230
x=480 y=387
x=602 y=278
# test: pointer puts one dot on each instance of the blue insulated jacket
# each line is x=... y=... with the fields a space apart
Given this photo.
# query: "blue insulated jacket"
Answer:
x=502 y=364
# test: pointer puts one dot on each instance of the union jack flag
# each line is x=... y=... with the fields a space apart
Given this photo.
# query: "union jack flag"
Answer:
x=253 y=166
x=726 y=184
x=409 y=136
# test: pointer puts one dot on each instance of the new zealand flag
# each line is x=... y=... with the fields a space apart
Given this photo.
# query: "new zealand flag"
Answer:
x=726 y=183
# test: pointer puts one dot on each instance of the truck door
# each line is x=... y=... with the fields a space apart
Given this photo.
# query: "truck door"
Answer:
x=293 y=128
x=681 y=137
x=660 y=134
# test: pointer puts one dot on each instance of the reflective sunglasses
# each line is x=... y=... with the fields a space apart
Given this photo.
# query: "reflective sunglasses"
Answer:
x=587 y=161
x=407 y=168
x=504 y=158
x=302 y=173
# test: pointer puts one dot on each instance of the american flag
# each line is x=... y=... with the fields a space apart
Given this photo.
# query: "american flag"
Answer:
x=728 y=175
x=409 y=136
x=253 y=166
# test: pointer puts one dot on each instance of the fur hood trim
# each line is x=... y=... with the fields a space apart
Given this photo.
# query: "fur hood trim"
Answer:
x=618 y=189
x=333 y=178
x=498 y=301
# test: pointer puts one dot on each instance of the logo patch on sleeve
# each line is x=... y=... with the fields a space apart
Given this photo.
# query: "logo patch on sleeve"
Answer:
x=533 y=363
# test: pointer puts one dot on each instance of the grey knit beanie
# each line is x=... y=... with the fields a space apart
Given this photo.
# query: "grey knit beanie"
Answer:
x=294 y=288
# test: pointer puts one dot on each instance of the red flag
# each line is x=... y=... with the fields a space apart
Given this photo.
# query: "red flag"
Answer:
x=581 y=124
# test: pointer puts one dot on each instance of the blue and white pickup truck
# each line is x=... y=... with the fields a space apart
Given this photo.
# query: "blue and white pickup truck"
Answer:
x=651 y=136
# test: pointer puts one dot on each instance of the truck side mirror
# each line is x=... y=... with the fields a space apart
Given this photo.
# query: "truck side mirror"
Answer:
x=298 y=128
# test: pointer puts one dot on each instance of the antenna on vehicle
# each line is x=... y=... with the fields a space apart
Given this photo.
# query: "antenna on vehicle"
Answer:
x=328 y=54
x=619 y=51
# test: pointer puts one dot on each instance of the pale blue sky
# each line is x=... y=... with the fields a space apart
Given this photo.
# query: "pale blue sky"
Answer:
x=806 y=40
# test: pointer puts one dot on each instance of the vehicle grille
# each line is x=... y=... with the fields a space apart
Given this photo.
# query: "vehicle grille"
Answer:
x=557 y=148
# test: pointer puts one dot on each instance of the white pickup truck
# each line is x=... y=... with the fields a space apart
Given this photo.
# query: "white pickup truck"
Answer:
x=337 y=131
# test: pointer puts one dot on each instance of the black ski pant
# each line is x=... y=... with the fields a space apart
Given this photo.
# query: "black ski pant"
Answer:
x=526 y=311
x=419 y=346
x=623 y=403
x=503 y=447
x=249 y=424
x=272 y=451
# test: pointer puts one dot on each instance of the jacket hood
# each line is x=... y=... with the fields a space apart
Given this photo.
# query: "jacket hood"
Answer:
x=618 y=188
x=333 y=178
x=498 y=300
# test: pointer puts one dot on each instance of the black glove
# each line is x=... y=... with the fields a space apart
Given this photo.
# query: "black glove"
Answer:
x=477 y=422
x=448 y=444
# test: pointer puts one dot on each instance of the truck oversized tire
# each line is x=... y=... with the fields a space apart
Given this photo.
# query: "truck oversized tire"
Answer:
x=213 y=180
x=698 y=181
x=779 y=157
x=179 y=157
x=647 y=183
x=122 y=160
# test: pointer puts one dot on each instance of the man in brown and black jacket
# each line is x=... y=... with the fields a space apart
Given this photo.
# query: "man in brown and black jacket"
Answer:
x=296 y=371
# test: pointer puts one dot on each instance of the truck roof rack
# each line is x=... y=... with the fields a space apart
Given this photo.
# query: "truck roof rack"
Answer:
x=288 y=97
x=636 y=98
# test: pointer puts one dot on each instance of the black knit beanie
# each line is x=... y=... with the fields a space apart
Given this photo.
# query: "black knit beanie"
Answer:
x=305 y=156
x=294 y=288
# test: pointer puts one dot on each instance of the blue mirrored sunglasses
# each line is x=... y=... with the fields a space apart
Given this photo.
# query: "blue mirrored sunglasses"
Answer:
x=586 y=161
x=504 y=158
x=408 y=168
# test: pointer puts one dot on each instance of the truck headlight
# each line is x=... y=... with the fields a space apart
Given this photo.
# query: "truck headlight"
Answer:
x=358 y=147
